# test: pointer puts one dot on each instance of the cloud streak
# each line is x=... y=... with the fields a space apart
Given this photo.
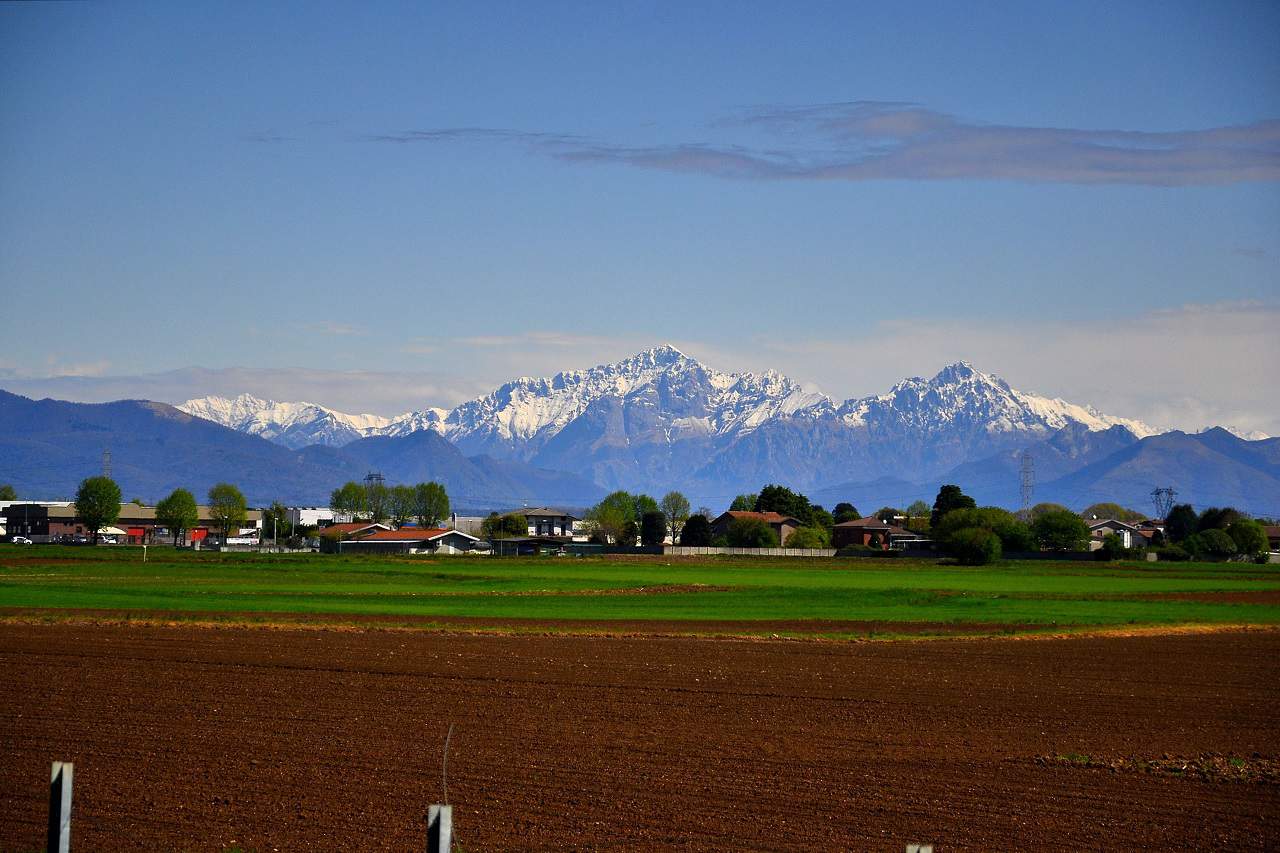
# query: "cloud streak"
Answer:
x=876 y=140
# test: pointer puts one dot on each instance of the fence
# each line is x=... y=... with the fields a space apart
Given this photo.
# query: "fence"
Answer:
x=702 y=551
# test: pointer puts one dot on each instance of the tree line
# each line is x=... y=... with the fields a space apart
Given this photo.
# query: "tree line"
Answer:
x=98 y=505
x=425 y=503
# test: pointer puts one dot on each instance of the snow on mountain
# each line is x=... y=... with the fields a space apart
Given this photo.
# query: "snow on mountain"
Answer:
x=1239 y=432
x=297 y=425
x=530 y=410
x=960 y=395
x=683 y=399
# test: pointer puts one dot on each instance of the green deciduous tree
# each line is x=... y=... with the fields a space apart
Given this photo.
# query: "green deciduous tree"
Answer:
x=1181 y=522
x=1046 y=506
x=378 y=501
x=675 y=508
x=1250 y=536
x=431 y=505
x=888 y=514
x=178 y=512
x=949 y=497
x=1213 y=544
x=1061 y=530
x=7 y=492
x=400 y=504
x=653 y=528
x=227 y=508
x=1110 y=509
x=697 y=531
x=607 y=520
x=846 y=511
x=743 y=503
x=1217 y=518
x=751 y=533
x=918 y=509
x=1013 y=534
x=507 y=526
x=643 y=504
x=348 y=499
x=98 y=503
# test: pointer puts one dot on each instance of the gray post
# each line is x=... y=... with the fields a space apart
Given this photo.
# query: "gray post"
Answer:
x=439 y=828
x=60 y=808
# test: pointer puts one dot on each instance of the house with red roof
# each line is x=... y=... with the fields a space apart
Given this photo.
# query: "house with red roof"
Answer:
x=871 y=532
x=408 y=540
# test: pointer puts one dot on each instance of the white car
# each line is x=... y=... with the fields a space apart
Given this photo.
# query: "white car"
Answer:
x=21 y=540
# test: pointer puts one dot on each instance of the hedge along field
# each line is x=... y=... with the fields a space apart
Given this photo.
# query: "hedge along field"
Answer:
x=1037 y=594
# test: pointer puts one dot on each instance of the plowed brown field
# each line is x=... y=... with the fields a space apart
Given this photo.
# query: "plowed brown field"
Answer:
x=203 y=739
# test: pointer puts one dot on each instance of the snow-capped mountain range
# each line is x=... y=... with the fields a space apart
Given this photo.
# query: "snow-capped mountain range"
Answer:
x=661 y=419
x=531 y=411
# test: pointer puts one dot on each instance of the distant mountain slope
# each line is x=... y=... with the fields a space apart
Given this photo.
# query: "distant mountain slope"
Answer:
x=1074 y=468
x=1213 y=468
x=48 y=446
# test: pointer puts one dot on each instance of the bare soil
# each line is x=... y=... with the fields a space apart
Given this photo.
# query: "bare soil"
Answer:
x=491 y=624
x=190 y=738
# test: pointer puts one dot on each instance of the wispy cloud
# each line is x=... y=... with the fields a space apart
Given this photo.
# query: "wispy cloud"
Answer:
x=876 y=140
x=329 y=327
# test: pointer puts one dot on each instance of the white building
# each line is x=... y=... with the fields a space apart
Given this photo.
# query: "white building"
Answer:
x=314 y=516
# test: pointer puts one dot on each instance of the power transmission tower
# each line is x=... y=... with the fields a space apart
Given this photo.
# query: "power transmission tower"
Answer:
x=106 y=462
x=1028 y=476
x=1162 y=499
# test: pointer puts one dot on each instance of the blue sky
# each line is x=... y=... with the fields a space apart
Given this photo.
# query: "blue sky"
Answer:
x=382 y=206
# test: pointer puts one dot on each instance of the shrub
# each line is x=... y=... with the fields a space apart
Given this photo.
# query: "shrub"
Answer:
x=1173 y=554
x=975 y=546
x=1112 y=548
x=857 y=551
x=808 y=537
x=751 y=533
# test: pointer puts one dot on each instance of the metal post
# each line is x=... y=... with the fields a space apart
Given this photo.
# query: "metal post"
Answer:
x=59 y=840
x=439 y=828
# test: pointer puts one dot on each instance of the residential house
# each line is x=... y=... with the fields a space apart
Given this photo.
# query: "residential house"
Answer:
x=1130 y=535
x=413 y=540
x=783 y=525
x=548 y=521
x=871 y=532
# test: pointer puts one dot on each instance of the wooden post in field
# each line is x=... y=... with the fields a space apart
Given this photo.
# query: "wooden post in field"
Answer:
x=60 y=808
x=439 y=828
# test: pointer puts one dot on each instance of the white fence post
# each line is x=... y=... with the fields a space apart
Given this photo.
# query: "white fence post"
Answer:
x=59 y=840
x=439 y=828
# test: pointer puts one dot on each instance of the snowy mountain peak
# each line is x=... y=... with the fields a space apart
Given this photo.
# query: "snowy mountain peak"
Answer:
x=665 y=392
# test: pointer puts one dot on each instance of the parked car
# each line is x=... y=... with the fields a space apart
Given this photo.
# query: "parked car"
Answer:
x=21 y=540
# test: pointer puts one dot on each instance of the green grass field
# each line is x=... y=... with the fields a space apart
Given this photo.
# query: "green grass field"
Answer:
x=1040 y=595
